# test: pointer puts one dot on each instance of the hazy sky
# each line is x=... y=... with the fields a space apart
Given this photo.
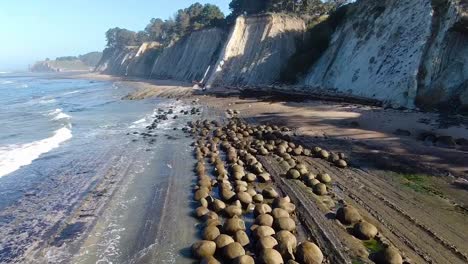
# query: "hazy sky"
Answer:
x=32 y=30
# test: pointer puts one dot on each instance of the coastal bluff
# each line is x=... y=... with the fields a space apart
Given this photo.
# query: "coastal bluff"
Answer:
x=403 y=53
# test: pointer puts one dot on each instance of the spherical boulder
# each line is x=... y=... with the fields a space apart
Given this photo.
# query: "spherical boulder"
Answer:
x=270 y=256
x=266 y=242
x=348 y=215
x=324 y=177
x=287 y=244
x=246 y=259
x=201 y=211
x=233 y=251
x=269 y=192
x=264 y=177
x=389 y=255
x=210 y=260
x=294 y=174
x=262 y=231
x=278 y=213
x=204 y=248
x=323 y=154
x=223 y=240
x=258 y=198
x=233 y=210
x=250 y=177
x=264 y=219
x=244 y=197
x=218 y=205
x=262 y=209
x=309 y=253
x=365 y=230
x=242 y=238
x=211 y=233
x=232 y=225
x=285 y=223
x=320 y=189
x=201 y=193
x=341 y=163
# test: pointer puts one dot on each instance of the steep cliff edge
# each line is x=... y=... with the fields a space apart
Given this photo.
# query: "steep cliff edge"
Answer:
x=129 y=61
x=376 y=51
x=403 y=52
x=257 y=50
x=190 y=58
x=444 y=70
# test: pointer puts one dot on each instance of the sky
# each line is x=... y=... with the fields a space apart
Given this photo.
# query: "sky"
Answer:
x=32 y=30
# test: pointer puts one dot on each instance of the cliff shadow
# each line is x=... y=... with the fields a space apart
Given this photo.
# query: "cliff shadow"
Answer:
x=384 y=139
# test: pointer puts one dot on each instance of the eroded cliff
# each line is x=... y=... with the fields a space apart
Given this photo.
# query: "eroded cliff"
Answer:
x=129 y=61
x=190 y=58
x=257 y=50
x=403 y=52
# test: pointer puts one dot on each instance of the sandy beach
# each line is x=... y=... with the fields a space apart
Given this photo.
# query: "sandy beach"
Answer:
x=413 y=190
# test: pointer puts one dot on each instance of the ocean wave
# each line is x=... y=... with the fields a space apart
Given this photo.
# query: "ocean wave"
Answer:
x=7 y=82
x=58 y=114
x=74 y=92
x=13 y=157
x=3 y=72
x=47 y=101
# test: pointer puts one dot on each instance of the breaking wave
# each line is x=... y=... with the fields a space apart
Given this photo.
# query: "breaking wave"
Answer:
x=13 y=157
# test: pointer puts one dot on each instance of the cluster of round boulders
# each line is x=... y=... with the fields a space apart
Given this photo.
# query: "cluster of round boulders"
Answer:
x=232 y=182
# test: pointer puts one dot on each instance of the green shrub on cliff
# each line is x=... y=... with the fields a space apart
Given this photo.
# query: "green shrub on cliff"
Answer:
x=185 y=21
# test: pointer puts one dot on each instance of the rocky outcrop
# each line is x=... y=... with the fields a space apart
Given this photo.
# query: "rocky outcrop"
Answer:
x=190 y=58
x=257 y=50
x=403 y=52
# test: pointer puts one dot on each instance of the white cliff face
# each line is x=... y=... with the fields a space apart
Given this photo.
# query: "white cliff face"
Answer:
x=189 y=58
x=376 y=52
x=257 y=50
x=404 y=52
x=129 y=61
x=444 y=78
x=115 y=61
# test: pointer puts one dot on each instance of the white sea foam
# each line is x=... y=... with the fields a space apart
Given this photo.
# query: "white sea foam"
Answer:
x=6 y=82
x=47 y=101
x=13 y=157
x=58 y=114
x=3 y=72
x=74 y=92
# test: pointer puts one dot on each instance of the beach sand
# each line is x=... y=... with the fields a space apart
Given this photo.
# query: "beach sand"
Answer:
x=408 y=186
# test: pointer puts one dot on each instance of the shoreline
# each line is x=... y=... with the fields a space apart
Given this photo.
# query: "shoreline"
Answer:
x=414 y=181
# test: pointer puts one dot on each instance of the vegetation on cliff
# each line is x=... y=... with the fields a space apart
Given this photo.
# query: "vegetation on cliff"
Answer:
x=195 y=17
x=198 y=16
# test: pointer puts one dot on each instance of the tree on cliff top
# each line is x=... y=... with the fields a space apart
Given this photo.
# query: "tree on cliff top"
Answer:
x=310 y=7
x=194 y=17
x=120 y=37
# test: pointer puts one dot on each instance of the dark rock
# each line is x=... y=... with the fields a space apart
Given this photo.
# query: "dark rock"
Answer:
x=402 y=132
x=445 y=142
x=354 y=124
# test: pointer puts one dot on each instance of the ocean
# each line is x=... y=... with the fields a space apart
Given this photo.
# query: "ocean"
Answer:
x=59 y=138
